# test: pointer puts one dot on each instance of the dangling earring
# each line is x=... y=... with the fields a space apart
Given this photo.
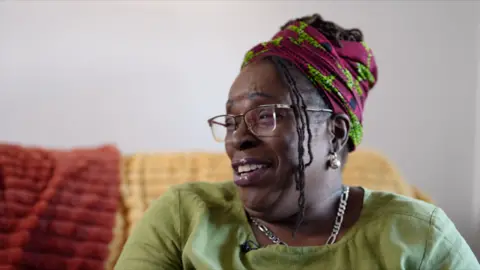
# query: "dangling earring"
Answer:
x=333 y=161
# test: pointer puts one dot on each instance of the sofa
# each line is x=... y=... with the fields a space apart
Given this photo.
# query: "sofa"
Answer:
x=143 y=177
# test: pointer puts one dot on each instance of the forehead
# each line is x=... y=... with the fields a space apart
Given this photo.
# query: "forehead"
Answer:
x=258 y=83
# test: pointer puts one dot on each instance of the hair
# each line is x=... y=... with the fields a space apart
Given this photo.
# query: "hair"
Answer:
x=299 y=93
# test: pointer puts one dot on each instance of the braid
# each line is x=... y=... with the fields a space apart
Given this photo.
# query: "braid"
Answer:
x=335 y=34
x=303 y=122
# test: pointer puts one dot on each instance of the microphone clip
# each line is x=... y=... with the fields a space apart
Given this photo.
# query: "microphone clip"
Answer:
x=248 y=246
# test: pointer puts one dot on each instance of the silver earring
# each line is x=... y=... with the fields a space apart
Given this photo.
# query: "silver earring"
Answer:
x=333 y=161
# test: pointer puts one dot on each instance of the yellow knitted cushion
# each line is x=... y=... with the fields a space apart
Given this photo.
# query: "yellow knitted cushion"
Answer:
x=372 y=170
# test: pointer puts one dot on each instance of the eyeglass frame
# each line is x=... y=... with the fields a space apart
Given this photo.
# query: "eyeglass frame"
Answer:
x=275 y=106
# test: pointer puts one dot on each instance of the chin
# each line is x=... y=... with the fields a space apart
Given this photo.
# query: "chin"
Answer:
x=261 y=201
x=254 y=200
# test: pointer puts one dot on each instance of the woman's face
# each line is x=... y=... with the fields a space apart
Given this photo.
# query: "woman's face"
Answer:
x=269 y=189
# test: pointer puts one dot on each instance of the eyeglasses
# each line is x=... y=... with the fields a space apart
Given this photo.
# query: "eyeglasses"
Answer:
x=261 y=121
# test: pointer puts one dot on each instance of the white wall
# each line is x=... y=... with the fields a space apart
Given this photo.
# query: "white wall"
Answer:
x=476 y=189
x=147 y=75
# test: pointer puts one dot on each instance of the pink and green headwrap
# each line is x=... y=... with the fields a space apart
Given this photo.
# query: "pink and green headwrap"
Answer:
x=344 y=74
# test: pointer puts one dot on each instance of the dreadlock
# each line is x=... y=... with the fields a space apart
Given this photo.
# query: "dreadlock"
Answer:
x=335 y=34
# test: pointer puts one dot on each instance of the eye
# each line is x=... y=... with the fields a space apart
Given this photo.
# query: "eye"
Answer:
x=266 y=115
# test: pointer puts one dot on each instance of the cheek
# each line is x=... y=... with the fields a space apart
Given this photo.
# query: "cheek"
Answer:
x=287 y=150
x=319 y=145
x=228 y=149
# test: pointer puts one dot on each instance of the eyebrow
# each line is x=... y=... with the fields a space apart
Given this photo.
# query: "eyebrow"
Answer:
x=251 y=95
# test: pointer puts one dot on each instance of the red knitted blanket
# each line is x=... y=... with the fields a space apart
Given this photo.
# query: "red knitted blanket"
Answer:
x=57 y=208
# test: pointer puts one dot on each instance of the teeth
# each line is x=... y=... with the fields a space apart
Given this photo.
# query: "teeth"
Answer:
x=249 y=167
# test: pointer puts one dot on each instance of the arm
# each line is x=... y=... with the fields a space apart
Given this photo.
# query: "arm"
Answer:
x=155 y=242
x=445 y=248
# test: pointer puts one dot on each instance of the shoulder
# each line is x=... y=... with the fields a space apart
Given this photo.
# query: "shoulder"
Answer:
x=414 y=227
x=167 y=223
x=207 y=190
x=386 y=206
x=157 y=240
x=197 y=195
x=391 y=205
x=407 y=215
x=392 y=220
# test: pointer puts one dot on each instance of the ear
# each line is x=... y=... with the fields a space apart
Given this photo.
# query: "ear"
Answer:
x=339 y=129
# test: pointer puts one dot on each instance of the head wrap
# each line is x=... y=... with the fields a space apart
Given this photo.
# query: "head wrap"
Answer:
x=345 y=75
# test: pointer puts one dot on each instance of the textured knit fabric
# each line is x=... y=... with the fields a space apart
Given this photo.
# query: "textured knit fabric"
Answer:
x=57 y=207
x=344 y=75
x=202 y=225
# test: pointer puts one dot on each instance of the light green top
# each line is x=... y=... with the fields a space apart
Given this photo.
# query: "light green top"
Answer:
x=201 y=226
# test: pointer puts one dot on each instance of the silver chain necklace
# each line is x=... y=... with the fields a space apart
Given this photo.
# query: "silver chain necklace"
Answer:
x=336 y=227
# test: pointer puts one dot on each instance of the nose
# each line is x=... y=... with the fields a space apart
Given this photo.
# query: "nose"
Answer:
x=243 y=138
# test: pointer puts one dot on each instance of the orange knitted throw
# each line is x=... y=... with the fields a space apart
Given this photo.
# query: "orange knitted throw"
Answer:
x=57 y=208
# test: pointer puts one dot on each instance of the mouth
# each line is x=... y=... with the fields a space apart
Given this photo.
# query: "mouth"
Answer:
x=249 y=171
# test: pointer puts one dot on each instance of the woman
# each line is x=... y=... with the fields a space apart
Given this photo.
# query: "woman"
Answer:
x=293 y=114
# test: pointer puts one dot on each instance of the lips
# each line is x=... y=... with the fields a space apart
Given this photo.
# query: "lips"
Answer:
x=249 y=171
